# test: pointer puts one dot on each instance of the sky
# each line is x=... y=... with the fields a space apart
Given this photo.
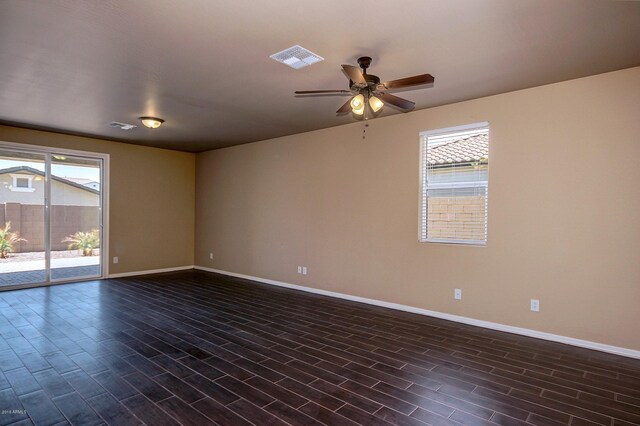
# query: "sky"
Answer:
x=75 y=171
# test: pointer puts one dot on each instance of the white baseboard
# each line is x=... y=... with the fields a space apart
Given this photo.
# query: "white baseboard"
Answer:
x=150 y=271
x=631 y=353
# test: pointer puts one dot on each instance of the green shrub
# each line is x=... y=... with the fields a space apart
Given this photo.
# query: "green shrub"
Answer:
x=84 y=241
x=8 y=239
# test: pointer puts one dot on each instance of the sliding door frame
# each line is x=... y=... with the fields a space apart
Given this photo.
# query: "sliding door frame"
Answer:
x=104 y=208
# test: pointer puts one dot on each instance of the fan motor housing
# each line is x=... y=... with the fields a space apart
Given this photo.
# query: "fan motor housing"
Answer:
x=372 y=80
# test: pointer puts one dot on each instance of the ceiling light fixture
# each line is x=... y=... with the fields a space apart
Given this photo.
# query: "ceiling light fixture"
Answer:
x=357 y=104
x=369 y=95
x=375 y=103
x=152 y=122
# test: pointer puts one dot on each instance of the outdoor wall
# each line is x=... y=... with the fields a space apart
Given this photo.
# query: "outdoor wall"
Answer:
x=151 y=209
x=456 y=217
x=28 y=221
x=563 y=211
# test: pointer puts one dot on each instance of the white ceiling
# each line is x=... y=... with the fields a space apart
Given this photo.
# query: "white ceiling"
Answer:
x=204 y=66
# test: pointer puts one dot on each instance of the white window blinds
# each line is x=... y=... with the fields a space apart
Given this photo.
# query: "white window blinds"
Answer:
x=454 y=165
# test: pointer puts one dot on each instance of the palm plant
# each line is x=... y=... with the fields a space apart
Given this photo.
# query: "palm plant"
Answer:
x=8 y=239
x=84 y=241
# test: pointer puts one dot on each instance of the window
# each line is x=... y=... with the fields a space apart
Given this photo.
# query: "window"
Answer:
x=22 y=183
x=454 y=169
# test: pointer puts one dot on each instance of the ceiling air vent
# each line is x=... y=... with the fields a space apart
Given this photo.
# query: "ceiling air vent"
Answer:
x=122 y=126
x=297 y=57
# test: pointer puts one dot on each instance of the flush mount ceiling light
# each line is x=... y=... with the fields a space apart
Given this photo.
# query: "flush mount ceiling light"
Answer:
x=152 y=122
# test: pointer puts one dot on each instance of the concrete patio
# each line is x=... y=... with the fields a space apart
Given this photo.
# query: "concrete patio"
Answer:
x=16 y=272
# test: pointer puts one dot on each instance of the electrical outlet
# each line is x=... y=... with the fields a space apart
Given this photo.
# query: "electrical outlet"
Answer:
x=535 y=305
x=299 y=269
x=211 y=256
x=457 y=294
x=304 y=270
x=115 y=259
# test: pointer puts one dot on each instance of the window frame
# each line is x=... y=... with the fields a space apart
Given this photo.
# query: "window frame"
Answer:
x=423 y=185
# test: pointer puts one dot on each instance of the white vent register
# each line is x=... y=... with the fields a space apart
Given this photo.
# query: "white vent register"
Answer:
x=297 y=57
x=123 y=126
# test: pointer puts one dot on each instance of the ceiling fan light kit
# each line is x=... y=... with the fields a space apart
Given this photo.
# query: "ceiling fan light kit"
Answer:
x=357 y=104
x=375 y=103
x=367 y=90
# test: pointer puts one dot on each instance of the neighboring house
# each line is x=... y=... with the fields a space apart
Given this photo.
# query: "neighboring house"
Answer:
x=85 y=182
x=25 y=185
x=467 y=157
x=457 y=173
x=74 y=207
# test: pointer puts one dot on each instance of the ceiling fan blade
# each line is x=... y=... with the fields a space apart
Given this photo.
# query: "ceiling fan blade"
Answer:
x=416 y=80
x=344 y=108
x=396 y=101
x=311 y=92
x=354 y=74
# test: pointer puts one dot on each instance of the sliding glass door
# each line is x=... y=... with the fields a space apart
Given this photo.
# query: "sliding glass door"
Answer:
x=51 y=217
x=74 y=217
x=22 y=218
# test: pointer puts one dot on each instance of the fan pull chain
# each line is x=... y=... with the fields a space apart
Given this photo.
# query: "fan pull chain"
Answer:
x=366 y=124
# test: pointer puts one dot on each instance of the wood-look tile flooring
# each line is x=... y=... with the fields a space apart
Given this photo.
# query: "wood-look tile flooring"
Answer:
x=198 y=348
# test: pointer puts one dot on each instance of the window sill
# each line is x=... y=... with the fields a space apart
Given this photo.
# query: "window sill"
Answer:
x=454 y=242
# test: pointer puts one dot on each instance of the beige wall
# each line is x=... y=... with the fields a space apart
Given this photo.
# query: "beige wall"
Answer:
x=564 y=211
x=151 y=199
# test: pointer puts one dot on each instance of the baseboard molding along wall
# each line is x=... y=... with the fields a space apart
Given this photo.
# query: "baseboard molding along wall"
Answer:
x=631 y=353
x=151 y=271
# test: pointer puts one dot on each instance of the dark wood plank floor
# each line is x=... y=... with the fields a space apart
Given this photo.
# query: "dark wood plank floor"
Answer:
x=198 y=348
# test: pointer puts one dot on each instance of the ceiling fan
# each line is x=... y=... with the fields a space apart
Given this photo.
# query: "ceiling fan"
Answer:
x=366 y=89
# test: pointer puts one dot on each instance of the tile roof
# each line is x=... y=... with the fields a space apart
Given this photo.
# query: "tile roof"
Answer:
x=471 y=149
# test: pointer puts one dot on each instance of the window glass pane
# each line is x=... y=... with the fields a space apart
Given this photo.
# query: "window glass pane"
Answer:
x=75 y=217
x=457 y=214
x=455 y=170
x=479 y=173
x=22 y=218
